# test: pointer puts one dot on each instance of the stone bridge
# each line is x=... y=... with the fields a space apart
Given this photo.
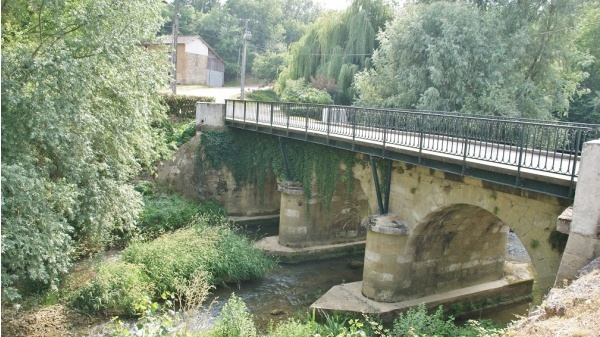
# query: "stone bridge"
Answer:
x=442 y=222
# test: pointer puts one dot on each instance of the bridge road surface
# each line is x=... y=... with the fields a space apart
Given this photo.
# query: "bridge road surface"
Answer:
x=479 y=154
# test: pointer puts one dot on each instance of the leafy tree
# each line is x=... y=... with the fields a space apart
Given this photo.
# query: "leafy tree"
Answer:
x=298 y=91
x=338 y=42
x=586 y=107
x=274 y=24
x=493 y=57
x=267 y=66
x=78 y=99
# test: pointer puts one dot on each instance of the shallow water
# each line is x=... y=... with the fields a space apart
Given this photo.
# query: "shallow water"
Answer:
x=290 y=289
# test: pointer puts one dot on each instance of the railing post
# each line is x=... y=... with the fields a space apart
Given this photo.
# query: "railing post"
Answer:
x=421 y=136
x=287 y=124
x=328 y=122
x=520 y=162
x=385 y=127
x=257 y=113
x=466 y=147
x=306 y=125
x=354 y=130
x=271 y=119
x=244 y=111
x=574 y=166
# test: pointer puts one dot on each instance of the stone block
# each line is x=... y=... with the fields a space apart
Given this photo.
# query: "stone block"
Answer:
x=563 y=223
x=210 y=116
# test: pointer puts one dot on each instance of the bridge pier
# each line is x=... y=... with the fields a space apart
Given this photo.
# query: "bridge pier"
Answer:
x=305 y=223
x=402 y=264
x=387 y=271
x=293 y=226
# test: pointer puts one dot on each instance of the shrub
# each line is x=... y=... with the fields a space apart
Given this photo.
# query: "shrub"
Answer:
x=418 y=322
x=174 y=258
x=115 y=289
x=237 y=260
x=297 y=91
x=154 y=320
x=268 y=95
x=292 y=328
x=161 y=214
x=235 y=321
x=183 y=106
x=145 y=188
x=183 y=133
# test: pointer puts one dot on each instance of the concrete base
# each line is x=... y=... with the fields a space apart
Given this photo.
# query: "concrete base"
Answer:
x=270 y=245
x=348 y=298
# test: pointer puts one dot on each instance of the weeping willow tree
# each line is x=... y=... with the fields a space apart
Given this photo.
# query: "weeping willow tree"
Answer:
x=337 y=47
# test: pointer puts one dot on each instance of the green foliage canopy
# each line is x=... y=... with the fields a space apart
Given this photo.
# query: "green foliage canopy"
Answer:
x=79 y=94
x=509 y=58
x=274 y=24
x=586 y=107
x=267 y=66
x=337 y=46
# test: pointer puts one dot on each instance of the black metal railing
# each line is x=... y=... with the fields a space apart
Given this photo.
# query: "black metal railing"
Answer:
x=547 y=146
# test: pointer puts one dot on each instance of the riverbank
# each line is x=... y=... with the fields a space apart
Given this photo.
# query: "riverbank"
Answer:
x=570 y=311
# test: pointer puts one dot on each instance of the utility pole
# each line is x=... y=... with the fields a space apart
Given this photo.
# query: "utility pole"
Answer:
x=247 y=35
x=174 y=54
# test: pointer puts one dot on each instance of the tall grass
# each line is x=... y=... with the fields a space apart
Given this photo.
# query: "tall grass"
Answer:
x=115 y=289
x=224 y=254
x=167 y=213
x=190 y=239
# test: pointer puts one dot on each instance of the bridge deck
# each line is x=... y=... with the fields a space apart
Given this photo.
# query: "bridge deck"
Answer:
x=541 y=157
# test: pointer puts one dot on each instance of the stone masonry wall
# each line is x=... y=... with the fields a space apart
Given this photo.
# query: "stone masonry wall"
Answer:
x=457 y=228
x=184 y=177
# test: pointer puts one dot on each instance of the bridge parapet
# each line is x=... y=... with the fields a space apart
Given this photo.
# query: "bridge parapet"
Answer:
x=541 y=156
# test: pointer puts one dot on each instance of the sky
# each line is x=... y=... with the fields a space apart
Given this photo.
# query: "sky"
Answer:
x=334 y=4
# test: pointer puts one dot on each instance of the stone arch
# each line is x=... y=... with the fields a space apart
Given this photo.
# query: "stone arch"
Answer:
x=418 y=193
x=456 y=246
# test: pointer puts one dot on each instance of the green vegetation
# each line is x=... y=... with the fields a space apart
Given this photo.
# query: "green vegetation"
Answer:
x=586 y=105
x=115 y=289
x=179 y=125
x=79 y=97
x=267 y=66
x=218 y=250
x=534 y=243
x=298 y=91
x=205 y=244
x=167 y=213
x=503 y=66
x=258 y=156
x=274 y=25
x=183 y=106
x=336 y=47
x=263 y=95
x=236 y=321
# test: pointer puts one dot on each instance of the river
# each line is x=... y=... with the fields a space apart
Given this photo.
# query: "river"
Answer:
x=290 y=289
